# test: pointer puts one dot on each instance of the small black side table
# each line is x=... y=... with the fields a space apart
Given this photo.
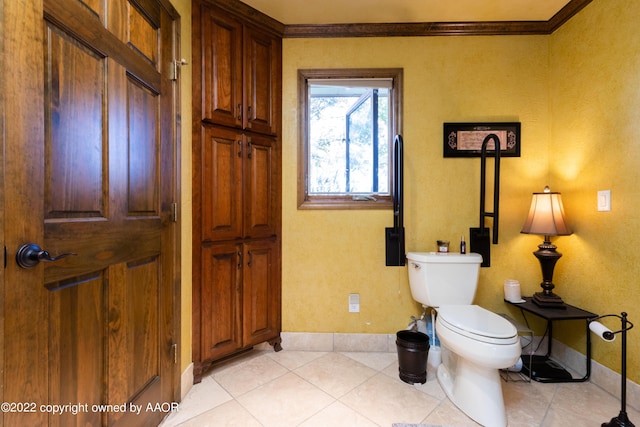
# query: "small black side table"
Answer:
x=543 y=369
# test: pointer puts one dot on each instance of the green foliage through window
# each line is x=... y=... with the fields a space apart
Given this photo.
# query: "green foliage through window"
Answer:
x=349 y=141
x=349 y=127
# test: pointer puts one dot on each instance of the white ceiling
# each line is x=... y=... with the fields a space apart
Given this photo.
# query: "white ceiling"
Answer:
x=296 y=12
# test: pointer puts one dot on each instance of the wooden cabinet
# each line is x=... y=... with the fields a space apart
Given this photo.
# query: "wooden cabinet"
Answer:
x=219 y=301
x=260 y=292
x=262 y=72
x=239 y=177
x=236 y=181
x=240 y=304
x=241 y=72
x=221 y=63
x=221 y=164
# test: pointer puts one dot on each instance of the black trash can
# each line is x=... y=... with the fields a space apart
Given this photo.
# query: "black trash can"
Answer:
x=413 y=350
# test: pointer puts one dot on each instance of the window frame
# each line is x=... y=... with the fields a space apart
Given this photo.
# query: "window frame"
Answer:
x=306 y=201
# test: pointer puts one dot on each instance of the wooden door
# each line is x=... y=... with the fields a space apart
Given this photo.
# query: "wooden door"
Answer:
x=94 y=175
x=222 y=152
x=220 y=293
x=220 y=42
x=261 y=292
x=262 y=80
x=261 y=187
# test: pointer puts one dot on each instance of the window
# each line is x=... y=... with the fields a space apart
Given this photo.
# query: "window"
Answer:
x=348 y=119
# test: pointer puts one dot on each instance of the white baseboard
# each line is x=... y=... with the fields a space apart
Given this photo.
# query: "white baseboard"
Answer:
x=186 y=381
x=329 y=341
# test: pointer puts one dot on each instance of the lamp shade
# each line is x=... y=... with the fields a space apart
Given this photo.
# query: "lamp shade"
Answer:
x=546 y=215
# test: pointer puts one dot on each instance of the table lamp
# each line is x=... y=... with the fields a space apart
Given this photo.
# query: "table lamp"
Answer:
x=546 y=218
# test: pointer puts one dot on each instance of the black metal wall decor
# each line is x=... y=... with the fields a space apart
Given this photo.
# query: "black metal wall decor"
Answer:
x=465 y=139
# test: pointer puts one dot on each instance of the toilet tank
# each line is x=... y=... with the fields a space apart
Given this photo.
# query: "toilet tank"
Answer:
x=439 y=279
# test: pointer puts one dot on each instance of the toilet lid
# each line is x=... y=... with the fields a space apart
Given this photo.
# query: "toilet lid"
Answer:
x=476 y=322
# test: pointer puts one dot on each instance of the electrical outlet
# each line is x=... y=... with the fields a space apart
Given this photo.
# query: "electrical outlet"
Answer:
x=604 y=200
x=354 y=303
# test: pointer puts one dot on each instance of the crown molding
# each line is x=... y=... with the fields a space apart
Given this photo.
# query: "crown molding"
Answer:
x=415 y=29
x=423 y=29
x=566 y=13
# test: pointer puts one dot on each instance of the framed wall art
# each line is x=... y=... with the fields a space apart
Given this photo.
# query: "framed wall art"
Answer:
x=465 y=139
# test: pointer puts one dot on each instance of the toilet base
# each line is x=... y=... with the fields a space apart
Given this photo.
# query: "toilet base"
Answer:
x=475 y=390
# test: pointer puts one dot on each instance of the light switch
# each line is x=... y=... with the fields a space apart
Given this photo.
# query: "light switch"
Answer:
x=604 y=200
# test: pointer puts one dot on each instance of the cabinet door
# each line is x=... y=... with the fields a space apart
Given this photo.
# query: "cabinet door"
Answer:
x=261 y=186
x=221 y=37
x=261 y=292
x=221 y=183
x=220 y=299
x=262 y=56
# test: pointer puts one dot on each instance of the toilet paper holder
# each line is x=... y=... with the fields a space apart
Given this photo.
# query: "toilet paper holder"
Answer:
x=607 y=335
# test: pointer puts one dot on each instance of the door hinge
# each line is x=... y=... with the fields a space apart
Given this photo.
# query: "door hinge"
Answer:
x=174 y=347
x=174 y=212
x=175 y=65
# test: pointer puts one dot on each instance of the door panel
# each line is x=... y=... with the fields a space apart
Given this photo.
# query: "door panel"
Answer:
x=76 y=330
x=75 y=170
x=222 y=154
x=261 y=188
x=262 y=70
x=222 y=68
x=142 y=31
x=260 y=292
x=134 y=366
x=142 y=287
x=220 y=300
x=143 y=150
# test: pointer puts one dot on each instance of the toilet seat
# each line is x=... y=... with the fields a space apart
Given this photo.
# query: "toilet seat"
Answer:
x=475 y=322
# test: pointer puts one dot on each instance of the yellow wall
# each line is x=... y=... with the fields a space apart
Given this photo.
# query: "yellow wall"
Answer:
x=595 y=106
x=184 y=9
x=576 y=94
x=329 y=254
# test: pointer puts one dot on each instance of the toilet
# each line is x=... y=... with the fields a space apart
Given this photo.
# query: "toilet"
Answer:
x=476 y=343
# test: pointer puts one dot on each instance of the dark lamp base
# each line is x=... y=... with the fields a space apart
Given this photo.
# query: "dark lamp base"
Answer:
x=549 y=300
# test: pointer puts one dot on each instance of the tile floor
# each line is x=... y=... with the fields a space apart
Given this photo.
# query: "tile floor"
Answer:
x=303 y=388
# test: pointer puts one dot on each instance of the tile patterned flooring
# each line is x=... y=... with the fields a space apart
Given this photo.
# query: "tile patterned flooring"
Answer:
x=362 y=389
